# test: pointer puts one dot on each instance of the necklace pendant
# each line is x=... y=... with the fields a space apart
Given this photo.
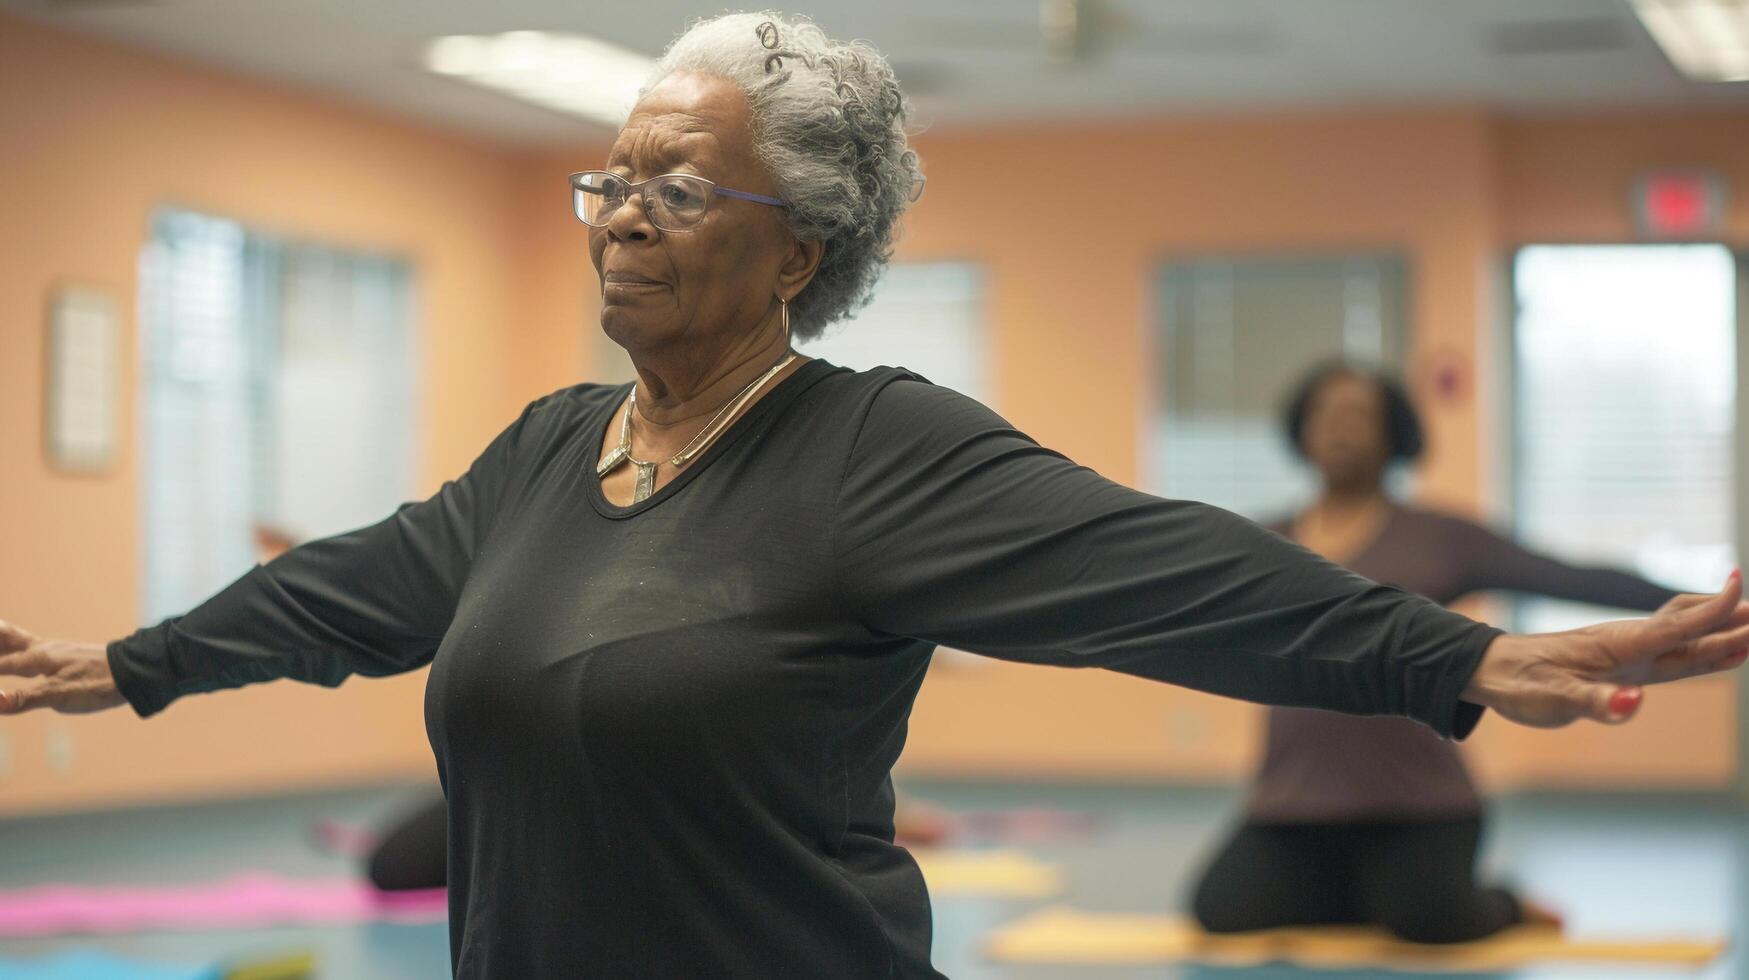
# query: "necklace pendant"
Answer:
x=646 y=481
x=611 y=461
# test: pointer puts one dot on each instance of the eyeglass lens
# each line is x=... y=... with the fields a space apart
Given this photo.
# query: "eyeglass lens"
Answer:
x=673 y=202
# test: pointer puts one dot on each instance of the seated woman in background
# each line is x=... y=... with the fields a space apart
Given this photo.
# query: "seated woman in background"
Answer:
x=1373 y=819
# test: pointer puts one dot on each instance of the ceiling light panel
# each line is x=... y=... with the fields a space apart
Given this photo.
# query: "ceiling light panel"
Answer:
x=1707 y=40
x=572 y=73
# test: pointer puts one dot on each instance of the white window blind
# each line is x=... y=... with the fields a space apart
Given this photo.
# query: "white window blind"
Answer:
x=278 y=390
x=926 y=316
x=1625 y=399
x=1234 y=336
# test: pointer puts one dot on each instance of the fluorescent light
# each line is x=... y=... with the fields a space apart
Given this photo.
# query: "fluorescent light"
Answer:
x=575 y=74
x=1707 y=40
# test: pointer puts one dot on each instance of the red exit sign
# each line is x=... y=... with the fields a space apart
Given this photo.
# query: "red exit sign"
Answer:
x=1686 y=203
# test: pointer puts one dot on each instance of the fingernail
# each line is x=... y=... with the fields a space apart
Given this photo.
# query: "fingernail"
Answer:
x=1625 y=699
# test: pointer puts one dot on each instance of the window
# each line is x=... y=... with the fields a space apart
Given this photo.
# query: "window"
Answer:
x=278 y=392
x=1235 y=336
x=1625 y=387
x=926 y=316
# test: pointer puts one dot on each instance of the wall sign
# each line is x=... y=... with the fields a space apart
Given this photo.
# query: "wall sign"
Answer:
x=1685 y=204
x=84 y=380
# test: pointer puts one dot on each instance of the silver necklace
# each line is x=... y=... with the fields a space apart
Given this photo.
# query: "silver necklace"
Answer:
x=646 y=482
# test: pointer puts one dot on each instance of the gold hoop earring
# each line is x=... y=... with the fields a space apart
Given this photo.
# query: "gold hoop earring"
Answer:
x=784 y=303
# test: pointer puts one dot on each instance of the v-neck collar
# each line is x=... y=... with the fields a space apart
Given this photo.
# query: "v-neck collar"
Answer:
x=781 y=394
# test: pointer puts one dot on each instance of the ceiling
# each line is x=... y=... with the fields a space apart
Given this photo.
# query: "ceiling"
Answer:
x=969 y=60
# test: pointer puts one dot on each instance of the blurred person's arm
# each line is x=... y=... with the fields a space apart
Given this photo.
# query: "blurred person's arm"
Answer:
x=1492 y=562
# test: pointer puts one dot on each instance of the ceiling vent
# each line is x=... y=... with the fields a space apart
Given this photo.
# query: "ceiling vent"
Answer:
x=1533 y=37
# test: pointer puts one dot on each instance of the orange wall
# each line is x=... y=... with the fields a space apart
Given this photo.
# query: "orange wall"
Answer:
x=1568 y=179
x=506 y=298
x=92 y=137
x=556 y=309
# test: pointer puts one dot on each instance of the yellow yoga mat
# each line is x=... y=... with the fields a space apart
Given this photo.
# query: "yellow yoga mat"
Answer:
x=288 y=966
x=1065 y=935
x=997 y=874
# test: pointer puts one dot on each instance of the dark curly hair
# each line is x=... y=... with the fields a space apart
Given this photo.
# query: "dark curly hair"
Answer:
x=1402 y=425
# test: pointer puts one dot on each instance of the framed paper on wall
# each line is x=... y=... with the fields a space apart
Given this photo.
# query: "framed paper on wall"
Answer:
x=83 y=380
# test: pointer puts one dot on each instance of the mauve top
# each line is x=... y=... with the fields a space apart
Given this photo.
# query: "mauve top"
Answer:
x=1323 y=767
x=666 y=730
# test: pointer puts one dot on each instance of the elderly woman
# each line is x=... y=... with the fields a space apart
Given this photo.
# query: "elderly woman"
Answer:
x=675 y=628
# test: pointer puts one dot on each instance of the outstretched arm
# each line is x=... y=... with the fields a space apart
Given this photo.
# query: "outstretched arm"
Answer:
x=954 y=528
x=1492 y=562
x=373 y=601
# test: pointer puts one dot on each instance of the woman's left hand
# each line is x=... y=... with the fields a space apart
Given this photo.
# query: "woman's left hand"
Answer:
x=1552 y=679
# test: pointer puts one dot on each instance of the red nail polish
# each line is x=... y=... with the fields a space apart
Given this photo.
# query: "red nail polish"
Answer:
x=1625 y=699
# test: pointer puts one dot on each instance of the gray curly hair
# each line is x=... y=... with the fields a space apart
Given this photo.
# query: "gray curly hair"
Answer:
x=829 y=123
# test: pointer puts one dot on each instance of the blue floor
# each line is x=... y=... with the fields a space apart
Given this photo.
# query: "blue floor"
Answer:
x=1619 y=867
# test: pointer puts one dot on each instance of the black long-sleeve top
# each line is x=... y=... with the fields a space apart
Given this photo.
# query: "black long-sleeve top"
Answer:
x=666 y=730
x=1323 y=767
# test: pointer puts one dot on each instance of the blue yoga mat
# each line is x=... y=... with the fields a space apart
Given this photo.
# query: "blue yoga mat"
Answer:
x=91 y=964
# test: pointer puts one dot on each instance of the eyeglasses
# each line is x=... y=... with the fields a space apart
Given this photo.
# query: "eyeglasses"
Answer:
x=673 y=202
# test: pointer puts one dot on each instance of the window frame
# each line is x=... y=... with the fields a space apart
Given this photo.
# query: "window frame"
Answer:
x=1157 y=339
x=261 y=311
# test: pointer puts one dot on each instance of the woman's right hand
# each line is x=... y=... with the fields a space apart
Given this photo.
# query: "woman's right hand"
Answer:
x=72 y=678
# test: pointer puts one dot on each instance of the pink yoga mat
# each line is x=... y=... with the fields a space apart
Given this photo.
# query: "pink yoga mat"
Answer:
x=245 y=902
